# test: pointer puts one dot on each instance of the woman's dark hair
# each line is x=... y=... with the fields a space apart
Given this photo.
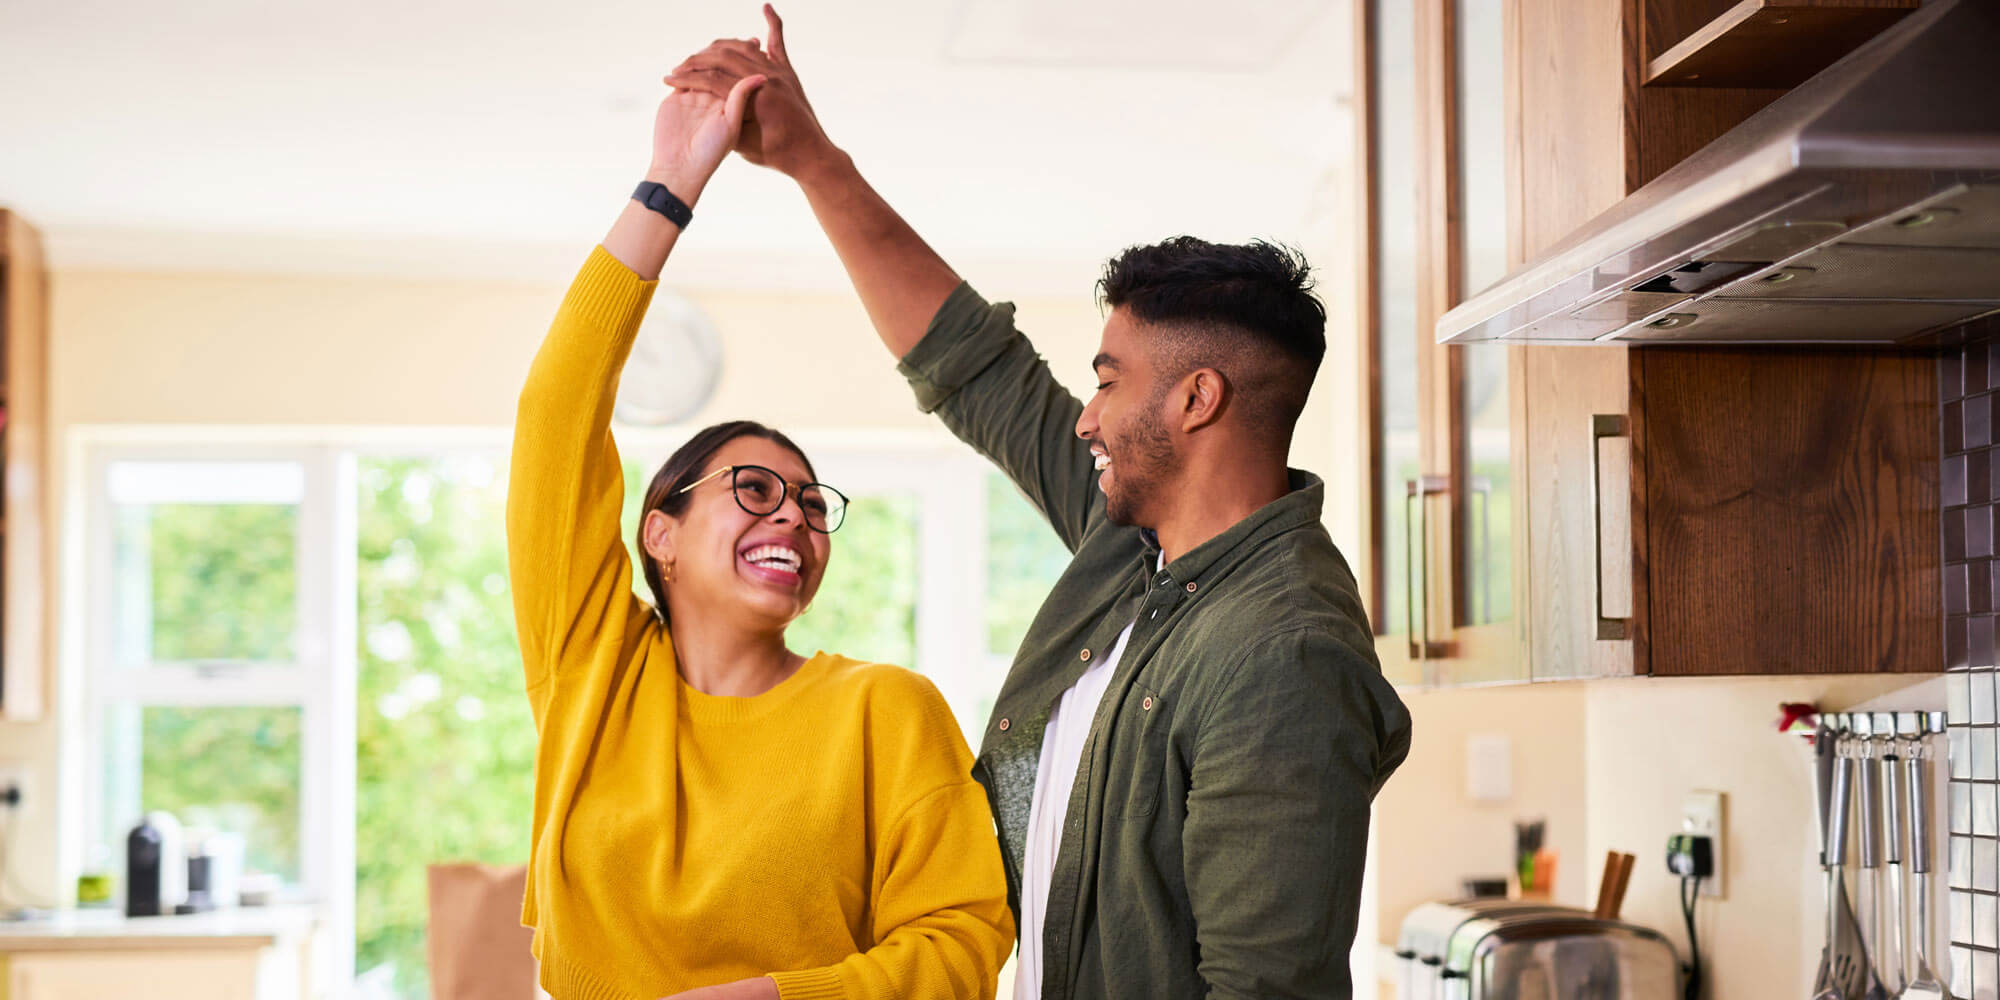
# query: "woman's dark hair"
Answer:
x=685 y=466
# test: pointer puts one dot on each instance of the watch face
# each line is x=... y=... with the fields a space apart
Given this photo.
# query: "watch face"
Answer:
x=675 y=364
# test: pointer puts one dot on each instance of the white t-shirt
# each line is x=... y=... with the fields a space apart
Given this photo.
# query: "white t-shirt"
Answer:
x=1062 y=753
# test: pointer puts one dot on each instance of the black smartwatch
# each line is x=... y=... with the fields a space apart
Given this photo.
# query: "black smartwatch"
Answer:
x=656 y=197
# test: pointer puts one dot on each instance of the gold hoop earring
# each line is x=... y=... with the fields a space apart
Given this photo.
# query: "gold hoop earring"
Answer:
x=667 y=573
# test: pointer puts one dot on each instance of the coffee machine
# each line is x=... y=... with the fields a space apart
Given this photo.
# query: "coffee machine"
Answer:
x=156 y=866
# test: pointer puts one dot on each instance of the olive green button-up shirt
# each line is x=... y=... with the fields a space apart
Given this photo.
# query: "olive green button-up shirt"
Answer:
x=1217 y=831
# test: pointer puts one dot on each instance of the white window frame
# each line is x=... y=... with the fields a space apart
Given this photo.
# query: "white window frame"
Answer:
x=320 y=680
x=947 y=478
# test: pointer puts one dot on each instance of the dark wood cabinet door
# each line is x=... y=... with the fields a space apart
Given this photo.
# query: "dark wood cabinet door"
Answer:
x=1791 y=511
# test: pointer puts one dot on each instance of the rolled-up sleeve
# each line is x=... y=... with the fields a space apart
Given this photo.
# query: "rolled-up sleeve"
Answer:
x=978 y=374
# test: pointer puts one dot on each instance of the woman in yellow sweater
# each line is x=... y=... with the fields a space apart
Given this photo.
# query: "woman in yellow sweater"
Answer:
x=716 y=816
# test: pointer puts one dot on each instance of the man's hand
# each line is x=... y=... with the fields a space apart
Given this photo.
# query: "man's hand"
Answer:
x=760 y=988
x=780 y=130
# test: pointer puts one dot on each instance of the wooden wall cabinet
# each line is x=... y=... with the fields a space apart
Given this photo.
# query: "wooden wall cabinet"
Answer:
x=1675 y=511
x=1703 y=511
x=26 y=548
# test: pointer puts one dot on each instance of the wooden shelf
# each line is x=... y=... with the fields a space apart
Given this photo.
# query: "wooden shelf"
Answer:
x=1758 y=44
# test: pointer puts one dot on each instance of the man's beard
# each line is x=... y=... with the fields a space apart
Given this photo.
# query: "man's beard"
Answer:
x=1142 y=454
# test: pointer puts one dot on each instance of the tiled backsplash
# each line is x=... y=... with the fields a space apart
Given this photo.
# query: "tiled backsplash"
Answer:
x=1968 y=378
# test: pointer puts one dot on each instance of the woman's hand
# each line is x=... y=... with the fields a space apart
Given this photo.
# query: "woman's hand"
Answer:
x=693 y=131
x=760 y=988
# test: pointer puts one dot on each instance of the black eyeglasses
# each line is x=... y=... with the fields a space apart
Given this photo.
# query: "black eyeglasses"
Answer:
x=761 y=492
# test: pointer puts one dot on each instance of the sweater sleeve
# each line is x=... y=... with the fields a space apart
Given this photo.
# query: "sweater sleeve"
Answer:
x=939 y=910
x=570 y=575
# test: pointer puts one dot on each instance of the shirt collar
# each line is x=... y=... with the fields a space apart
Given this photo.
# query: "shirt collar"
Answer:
x=1295 y=509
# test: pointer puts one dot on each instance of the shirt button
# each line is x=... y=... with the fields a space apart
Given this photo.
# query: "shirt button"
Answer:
x=1085 y=656
x=1005 y=724
x=1190 y=587
x=1147 y=704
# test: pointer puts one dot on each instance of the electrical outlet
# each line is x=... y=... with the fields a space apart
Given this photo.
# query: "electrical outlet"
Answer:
x=15 y=790
x=1702 y=814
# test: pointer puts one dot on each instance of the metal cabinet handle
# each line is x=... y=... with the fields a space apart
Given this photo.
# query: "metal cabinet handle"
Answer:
x=1480 y=593
x=1603 y=425
x=1413 y=497
x=1416 y=492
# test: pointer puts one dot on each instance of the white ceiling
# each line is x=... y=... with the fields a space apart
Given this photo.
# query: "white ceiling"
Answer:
x=1030 y=137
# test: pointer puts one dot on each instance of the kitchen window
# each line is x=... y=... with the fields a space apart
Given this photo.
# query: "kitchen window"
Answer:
x=312 y=643
x=218 y=585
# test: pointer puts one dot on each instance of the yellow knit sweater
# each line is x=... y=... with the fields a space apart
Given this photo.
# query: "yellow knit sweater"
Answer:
x=825 y=833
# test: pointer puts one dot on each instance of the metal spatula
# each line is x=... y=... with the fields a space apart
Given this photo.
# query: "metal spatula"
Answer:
x=1843 y=967
x=1924 y=984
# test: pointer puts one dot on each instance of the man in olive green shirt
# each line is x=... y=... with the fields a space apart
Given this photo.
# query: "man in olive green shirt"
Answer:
x=1188 y=815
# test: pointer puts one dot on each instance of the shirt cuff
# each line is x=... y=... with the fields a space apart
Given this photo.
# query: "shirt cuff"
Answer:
x=810 y=984
x=965 y=336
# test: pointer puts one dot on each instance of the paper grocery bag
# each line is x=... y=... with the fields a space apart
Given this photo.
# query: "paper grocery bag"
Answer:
x=477 y=946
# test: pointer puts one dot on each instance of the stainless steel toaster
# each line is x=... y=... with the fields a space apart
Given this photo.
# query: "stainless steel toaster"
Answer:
x=1514 y=950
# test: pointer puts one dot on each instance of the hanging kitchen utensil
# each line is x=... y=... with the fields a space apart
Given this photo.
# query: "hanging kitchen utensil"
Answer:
x=1868 y=812
x=1843 y=966
x=1892 y=945
x=1825 y=743
x=1924 y=983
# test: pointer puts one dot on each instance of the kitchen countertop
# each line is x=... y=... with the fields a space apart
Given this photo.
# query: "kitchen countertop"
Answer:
x=111 y=930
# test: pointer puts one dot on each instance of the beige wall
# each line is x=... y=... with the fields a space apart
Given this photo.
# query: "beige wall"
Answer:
x=1432 y=834
x=1649 y=742
x=1608 y=762
x=157 y=348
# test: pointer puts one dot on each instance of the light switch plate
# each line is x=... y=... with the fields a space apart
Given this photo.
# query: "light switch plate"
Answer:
x=1489 y=768
x=1702 y=814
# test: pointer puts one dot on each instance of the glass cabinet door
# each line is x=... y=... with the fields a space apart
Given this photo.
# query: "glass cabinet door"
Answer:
x=1442 y=517
x=1392 y=340
x=1487 y=643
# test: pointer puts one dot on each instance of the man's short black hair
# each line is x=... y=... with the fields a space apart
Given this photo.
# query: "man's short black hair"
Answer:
x=1245 y=309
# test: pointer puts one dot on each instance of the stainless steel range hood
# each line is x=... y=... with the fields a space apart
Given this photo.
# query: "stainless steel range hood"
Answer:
x=1861 y=208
